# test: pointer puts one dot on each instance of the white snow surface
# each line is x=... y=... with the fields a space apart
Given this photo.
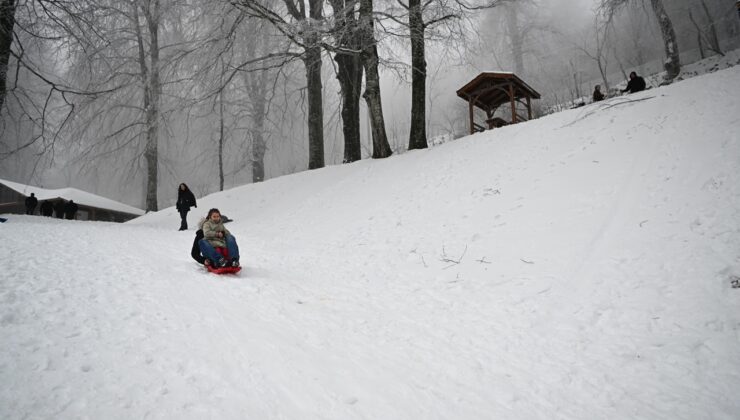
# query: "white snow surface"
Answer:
x=577 y=266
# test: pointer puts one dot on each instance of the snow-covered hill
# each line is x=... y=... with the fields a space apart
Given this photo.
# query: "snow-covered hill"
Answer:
x=574 y=267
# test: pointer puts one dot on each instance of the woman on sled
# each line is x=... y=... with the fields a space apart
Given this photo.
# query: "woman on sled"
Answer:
x=216 y=236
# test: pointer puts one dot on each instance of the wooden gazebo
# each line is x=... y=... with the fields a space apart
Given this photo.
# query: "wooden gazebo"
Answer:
x=489 y=90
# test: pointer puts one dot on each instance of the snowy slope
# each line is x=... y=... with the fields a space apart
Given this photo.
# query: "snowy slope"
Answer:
x=574 y=267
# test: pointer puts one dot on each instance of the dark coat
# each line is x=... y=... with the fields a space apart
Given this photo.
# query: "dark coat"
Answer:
x=635 y=84
x=195 y=252
x=31 y=202
x=185 y=200
x=59 y=209
x=598 y=96
x=70 y=209
x=47 y=209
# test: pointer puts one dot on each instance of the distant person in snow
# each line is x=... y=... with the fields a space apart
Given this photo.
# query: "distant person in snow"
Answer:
x=636 y=84
x=59 y=209
x=598 y=96
x=215 y=235
x=70 y=210
x=31 y=203
x=47 y=209
x=185 y=200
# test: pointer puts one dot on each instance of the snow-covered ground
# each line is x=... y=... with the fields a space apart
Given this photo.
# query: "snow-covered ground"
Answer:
x=578 y=266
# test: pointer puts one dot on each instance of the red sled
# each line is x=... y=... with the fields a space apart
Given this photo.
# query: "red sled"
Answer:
x=223 y=270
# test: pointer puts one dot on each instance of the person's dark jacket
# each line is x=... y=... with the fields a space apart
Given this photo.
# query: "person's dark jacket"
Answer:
x=598 y=96
x=195 y=252
x=59 y=209
x=47 y=209
x=636 y=84
x=185 y=200
x=70 y=209
x=31 y=202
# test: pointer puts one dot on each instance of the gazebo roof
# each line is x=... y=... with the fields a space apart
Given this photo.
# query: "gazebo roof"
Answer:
x=490 y=89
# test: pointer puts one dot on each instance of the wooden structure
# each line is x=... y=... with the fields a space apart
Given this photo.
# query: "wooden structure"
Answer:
x=489 y=90
x=90 y=206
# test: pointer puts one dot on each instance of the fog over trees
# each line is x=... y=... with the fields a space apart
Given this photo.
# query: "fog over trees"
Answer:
x=129 y=98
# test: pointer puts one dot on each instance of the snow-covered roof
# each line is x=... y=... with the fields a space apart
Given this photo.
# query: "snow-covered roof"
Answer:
x=78 y=196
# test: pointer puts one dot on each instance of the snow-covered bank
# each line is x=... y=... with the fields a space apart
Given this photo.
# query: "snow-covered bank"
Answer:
x=573 y=267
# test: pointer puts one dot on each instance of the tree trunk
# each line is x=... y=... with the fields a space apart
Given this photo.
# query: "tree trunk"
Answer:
x=713 y=38
x=515 y=36
x=312 y=61
x=369 y=55
x=418 y=134
x=699 y=38
x=221 y=138
x=259 y=146
x=7 y=23
x=349 y=74
x=672 y=63
x=256 y=93
x=150 y=80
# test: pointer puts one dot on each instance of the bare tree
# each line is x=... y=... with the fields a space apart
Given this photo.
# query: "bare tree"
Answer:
x=370 y=61
x=672 y=62
x=149 y=66
x=31 y=35
x=598 y=52
x=258 y=42
x=516 y=35
x=349 y=73
x=706 y=36
x=418 y=17
x=7 y=23
x=305 y=31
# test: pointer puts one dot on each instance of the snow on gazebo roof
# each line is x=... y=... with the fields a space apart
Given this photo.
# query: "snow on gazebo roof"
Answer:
x=78 y=196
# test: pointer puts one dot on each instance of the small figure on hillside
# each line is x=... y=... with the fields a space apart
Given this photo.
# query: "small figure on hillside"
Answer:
x=185 y=200
x=598 y=96
x=636 y=84
x=47 y=209
x=59 y=208
x=215 y=235
x=31 y=203
x=70 y=210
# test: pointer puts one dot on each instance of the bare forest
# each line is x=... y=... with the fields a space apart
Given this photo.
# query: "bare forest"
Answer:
x=129 y=98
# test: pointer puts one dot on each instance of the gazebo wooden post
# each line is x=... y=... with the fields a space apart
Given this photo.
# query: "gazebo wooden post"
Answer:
x=472 y=123
x=529 y=108
x=513 y=103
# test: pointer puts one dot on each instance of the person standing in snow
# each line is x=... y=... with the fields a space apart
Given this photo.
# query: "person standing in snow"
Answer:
x=215 y=235
x=598 y=96
x=31 y=203
x=47 y=209
x=70 y=210
x=185 y=200
x=636 y=84
x=59 y=208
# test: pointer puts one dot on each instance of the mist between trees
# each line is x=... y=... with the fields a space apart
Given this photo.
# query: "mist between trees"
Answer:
x=128 y=98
